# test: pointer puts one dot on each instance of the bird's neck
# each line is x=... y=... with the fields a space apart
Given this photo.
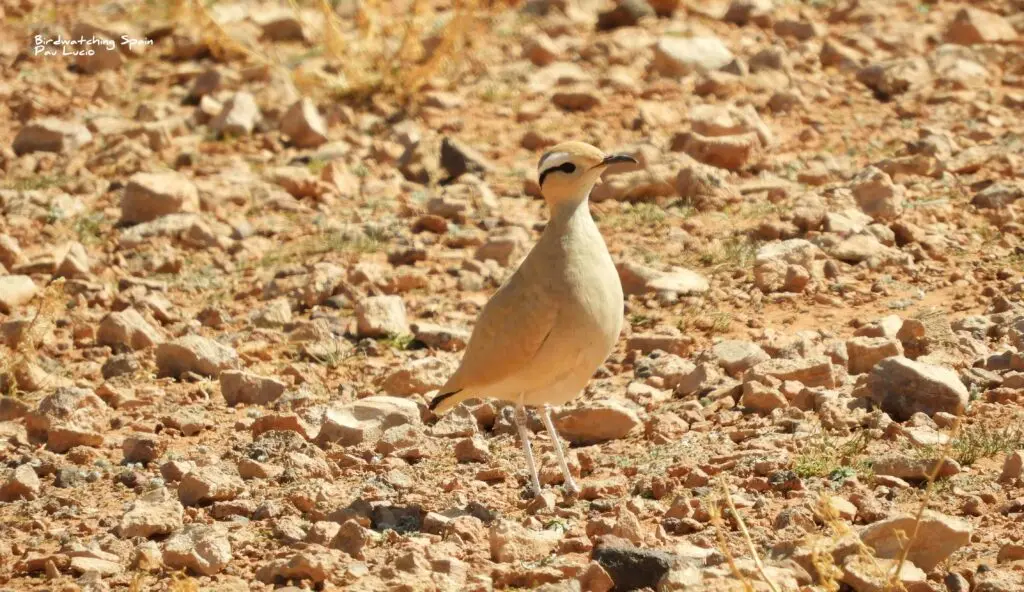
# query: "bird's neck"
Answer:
x=566 y=210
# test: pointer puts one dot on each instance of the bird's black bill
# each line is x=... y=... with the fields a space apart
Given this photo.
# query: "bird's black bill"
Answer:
x=437 y=400
x=617 y=158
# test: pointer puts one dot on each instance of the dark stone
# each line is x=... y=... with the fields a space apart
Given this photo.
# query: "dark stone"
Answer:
x=681 y=526
x=458 y=159
x=980 y=379
x=998 y=362
x=626 y=14
x=415 y=164
x=956 y=583
x=129 y=479
x=12 y=409
x=408 y=256
x=338 y=302
x=998 y=195
x=268 y=510
x=401 y=519
x=120 y=365
x=480 y=511
x=629 y=567
x=68 y=477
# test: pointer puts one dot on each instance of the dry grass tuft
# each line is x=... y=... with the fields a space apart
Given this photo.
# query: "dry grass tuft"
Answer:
x=386 y=51
x=49 y=303
x=841 y=531
x=716 y=520
x=715 y=512
x=929 y=490
x=823 y=561
x=182 y=583
x=834 y=459
x=372 y=66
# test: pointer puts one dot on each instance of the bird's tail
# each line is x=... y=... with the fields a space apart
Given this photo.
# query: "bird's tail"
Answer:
x=447 y=400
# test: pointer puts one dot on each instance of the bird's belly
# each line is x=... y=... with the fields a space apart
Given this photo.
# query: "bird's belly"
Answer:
x=566 y=363
x=586 y=328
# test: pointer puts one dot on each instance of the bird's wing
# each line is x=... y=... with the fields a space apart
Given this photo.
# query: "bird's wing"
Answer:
x=510 y=331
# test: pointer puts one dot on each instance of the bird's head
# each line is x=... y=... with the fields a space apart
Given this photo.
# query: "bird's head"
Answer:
x=568 y=171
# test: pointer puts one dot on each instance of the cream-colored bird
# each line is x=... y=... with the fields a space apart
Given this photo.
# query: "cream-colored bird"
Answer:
x=542 y=335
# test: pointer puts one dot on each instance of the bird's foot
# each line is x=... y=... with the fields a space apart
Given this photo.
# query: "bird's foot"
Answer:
x=531 y=489
x=571 y=488
x=529 y=492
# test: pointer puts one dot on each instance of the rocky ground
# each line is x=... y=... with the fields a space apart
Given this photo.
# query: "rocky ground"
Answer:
x=236 y=264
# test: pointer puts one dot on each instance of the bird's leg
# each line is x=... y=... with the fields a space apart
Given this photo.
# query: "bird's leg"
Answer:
x=570 y=484
x=524 y=435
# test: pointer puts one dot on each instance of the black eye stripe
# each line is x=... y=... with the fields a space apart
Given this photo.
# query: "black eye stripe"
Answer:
x=565 y=167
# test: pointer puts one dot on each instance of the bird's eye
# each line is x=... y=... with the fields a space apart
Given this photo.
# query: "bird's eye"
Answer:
x=565 y=167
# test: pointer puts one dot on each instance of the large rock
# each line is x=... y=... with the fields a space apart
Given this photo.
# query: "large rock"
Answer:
x=315 y=564
x=72 y=261
x=10 y=251
x=914 y=467
x=381 y=316
x=973 y=25
x=503 y=245
x=366 y=419
x=736 y=356
x=715 y=121
x=761 y=398
x=153 y=513
x=625 y=14
x=280 y=24
x=418 y=377
x=877 y=195
x=441 y=337
x=873 y=574
x=598 y=421
x=679 y=56
x=732 y=152
x=51 y=135
x=69 y=417
x=209 y=484
x=148 y=196
x=865 y=247
x=640 y=279
x=194 y=353
x=142 y=447
x=238 y=117
x=865 y=352
x=679 y=282
x=15 y=290
x=127 y=329
x=512 y=543
x=938 y=537
x=246 y=388
x=812 y=372
x=21 y=484
x=776 y=263
x=201 y=549
x=1013 y=467
x=903 y=387
x=896 y=76
x=304 y=124
x=705 y=186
